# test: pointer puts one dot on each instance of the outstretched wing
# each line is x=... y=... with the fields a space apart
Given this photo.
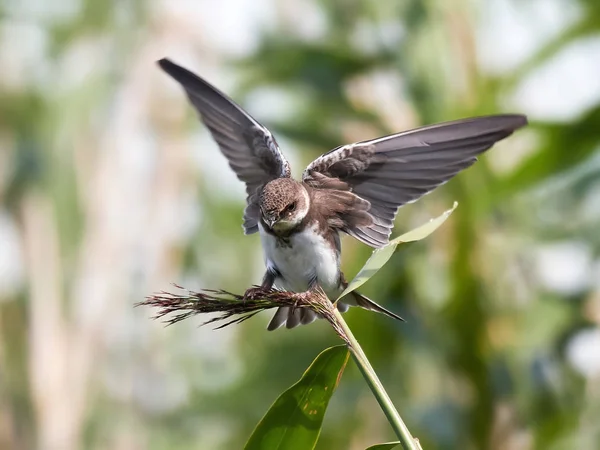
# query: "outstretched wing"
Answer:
x=394 y=170
x=250 y=148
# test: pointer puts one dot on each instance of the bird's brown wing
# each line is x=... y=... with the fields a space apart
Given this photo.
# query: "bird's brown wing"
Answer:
x=250 y=148
x=394 y=170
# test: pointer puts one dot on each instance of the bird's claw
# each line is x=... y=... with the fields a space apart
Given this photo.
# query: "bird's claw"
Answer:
x=253 y=293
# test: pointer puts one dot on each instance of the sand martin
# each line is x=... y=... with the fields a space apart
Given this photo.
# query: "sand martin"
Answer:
x=355 y=188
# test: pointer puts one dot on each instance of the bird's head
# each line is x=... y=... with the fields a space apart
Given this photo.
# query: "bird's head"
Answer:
x=283 y=204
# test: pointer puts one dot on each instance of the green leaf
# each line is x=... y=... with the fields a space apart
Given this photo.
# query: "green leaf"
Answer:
x=294 y=420
x=386 y=446
x=382 y=255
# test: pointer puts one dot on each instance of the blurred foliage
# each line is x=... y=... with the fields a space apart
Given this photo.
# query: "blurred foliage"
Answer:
x=485 y=359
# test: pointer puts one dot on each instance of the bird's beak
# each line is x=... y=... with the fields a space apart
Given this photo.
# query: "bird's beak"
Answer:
x=271 y=222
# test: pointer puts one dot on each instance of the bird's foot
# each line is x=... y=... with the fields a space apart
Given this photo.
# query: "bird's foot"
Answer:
x=297 y=298
x=254 y=293
x=301 y=297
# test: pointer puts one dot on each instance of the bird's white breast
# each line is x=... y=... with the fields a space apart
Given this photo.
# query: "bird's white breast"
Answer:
x=308 y=256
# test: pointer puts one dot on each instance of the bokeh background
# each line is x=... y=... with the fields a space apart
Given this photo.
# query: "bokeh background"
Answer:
x=110 y=189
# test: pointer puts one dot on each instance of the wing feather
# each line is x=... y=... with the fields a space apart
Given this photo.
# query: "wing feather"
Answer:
x=398 y=169
x=249 y=147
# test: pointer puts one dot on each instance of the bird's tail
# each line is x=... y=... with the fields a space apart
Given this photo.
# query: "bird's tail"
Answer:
x=291 y=317
x=303 y=316
x=355 y=298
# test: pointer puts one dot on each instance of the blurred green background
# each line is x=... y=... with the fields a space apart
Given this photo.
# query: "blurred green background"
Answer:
x=110 y=189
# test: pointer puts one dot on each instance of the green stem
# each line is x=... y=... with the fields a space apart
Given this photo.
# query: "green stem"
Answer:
x=404 y=436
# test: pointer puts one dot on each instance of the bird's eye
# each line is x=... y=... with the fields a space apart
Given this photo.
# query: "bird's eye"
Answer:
x=291 y=207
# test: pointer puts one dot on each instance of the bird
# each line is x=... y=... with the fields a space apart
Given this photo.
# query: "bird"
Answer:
x=355 y=189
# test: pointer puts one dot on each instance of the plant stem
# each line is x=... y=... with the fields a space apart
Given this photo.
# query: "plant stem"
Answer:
x=404 y=436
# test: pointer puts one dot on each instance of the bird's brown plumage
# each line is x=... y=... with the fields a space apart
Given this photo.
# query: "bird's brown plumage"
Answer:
x=355 y=188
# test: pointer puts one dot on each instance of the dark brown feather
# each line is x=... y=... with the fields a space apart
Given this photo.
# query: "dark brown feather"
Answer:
x=391 y=171
x=249 y=147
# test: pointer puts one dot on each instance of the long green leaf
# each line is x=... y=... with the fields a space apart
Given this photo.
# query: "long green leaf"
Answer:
x=382 y=255
x=386 y=446
x=294 y=420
